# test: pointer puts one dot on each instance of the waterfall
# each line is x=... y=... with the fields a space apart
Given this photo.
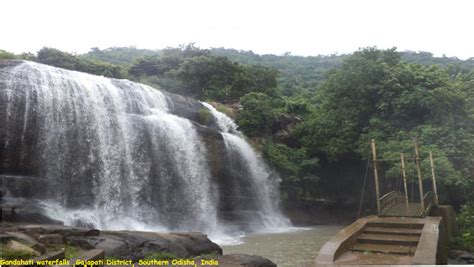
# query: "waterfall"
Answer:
x=115 y=154
x=249 y=168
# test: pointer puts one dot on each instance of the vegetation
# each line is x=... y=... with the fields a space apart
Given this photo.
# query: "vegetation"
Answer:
x=342 y=102
x=71 y=252
x=57 y=58
x=465 y=240
x=6 y=55
x=8 y=254
x=161 y=256
x=204 y=116
x=210 y=256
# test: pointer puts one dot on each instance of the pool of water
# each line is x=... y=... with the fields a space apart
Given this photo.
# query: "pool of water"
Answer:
x=294 y=248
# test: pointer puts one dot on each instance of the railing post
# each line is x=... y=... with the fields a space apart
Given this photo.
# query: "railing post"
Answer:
x=435 y=190
x=402 y=159
x=376 y=174
x=420 y=179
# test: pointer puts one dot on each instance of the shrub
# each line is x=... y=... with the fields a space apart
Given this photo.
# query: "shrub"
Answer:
x=465 y=219
x=204 y=116
x=161 y=256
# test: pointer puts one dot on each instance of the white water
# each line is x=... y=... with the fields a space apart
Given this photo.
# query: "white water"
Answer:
x=114 y=157
x=262 y=179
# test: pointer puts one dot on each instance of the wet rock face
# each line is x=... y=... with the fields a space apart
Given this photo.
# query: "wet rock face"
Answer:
x=104 y=147
x=283 y=127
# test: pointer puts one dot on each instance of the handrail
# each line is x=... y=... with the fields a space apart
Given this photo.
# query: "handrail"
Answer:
x=390 y=199
x=428 y=199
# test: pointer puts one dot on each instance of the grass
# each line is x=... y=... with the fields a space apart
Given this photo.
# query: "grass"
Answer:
x=71 y=252
x=161 y=256
x=204 y=116
x=7 y=254
x=210 y=256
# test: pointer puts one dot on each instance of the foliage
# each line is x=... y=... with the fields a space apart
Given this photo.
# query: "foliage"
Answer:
x=195 y=72
x=118 y=55
x=161 y=256
x=71 y=252
x=298 y=171
x=15 y=255
x=376 y=95
x=226 y=110
x=204 y=116
x=57 y=58
x=7 y=55
x=465 y=219
x=256 y=117
x=210 y=256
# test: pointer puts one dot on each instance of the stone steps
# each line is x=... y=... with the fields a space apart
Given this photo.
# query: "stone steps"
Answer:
x=398 y=224
x=383 y=248
x=395 y=231
x=388 y=239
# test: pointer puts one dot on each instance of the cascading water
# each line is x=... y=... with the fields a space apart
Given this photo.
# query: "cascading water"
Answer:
x=112 y=154
x=250 y=169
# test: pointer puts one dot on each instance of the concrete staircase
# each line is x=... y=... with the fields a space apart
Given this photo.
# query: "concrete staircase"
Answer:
x=388 y=238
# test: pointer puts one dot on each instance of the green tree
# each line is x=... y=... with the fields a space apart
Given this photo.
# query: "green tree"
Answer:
x=57 y=58
x=6 y=55
x=256 y=116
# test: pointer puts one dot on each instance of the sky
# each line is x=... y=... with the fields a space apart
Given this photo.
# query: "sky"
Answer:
x=301 y=27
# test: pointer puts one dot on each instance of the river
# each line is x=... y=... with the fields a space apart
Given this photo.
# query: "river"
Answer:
x=292 y=248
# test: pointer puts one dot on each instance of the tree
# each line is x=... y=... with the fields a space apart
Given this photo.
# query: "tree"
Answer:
x=375 y=95
x=57 y=58
x=256 y=116
x=6 y=55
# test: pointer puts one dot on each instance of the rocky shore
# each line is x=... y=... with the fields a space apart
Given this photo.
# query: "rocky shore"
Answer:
x=52 y=244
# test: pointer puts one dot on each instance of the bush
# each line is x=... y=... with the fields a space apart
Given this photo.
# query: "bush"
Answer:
x=161 y=256
x=15 y=255
x=256 y=117
x=204 y=116
x=6 y=55
x=465 y=219
x=210 y=256
x=71 y=252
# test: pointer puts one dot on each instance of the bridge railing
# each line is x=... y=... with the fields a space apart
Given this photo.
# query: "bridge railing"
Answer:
x=390 y=199
x=428 y=200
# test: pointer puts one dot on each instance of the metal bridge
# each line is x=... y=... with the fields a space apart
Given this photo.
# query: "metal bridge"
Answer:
x=403 y=233
x=396 y=203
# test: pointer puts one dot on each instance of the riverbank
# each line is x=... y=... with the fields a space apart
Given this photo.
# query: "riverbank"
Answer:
x=73 y=245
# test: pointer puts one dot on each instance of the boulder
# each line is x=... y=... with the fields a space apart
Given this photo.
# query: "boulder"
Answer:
x=455 y=253
x=51 y=240
x=112 y=246
x=466 y=257
x=141 y=244
x=35 y=230
x=90 y=255
x=23 y=239
x=54 y=255
x=82 y=242
x=283 y=127
x=15 y=246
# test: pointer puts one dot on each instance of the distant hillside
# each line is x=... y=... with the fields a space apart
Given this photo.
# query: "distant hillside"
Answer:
x=297 y=72
x=119 y=55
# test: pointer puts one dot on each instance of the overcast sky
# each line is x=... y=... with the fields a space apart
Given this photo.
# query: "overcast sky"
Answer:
x=296 y=26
